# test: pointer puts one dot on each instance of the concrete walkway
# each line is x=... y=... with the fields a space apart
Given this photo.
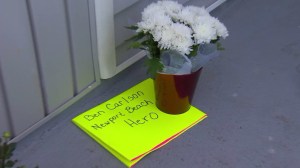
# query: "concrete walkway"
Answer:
x=251 y=95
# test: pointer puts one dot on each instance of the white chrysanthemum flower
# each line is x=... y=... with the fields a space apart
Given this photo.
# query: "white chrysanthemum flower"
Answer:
x=171 y=8
x=204 y=33
x=190 y=13
x=186 y=16
x=178 y=28
x=145 y=26
x=197 y=11
x=220 y=28
x=167 y=35
x=174 y=37
x=157 y=33
x=182 y=38
x=157 y=21
x=150 y=10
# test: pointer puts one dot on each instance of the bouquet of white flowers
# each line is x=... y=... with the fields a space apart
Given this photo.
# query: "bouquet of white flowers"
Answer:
x=167 y=25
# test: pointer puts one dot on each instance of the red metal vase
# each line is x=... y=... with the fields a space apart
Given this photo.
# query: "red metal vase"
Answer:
x=174 y=93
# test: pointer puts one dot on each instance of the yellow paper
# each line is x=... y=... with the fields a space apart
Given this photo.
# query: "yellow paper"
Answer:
x=130 y=125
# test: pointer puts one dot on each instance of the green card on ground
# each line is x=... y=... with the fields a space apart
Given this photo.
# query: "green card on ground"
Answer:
x=130 y=126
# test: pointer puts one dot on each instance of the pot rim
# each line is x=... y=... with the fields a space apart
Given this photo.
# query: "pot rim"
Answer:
x=161 y=73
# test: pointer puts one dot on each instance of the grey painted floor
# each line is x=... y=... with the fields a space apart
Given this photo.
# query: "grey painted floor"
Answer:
x=251 y=95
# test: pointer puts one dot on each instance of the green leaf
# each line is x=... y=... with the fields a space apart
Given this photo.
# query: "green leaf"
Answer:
x=136 y=37
x=145 y=42
x=10 y=163
x=215 y=40
x=132 y=27
x=1 y=152
x=194 y=51
x=12 y=146
x=6 y=135
x=10 y=149
x=154 y=65
x=219 y=46
x=135 y=44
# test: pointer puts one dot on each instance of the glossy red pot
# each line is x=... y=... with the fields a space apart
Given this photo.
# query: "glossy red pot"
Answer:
x=174 y=93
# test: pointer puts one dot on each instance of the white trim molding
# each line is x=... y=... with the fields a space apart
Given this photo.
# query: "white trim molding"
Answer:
x=105 y=38
x=215 y=5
